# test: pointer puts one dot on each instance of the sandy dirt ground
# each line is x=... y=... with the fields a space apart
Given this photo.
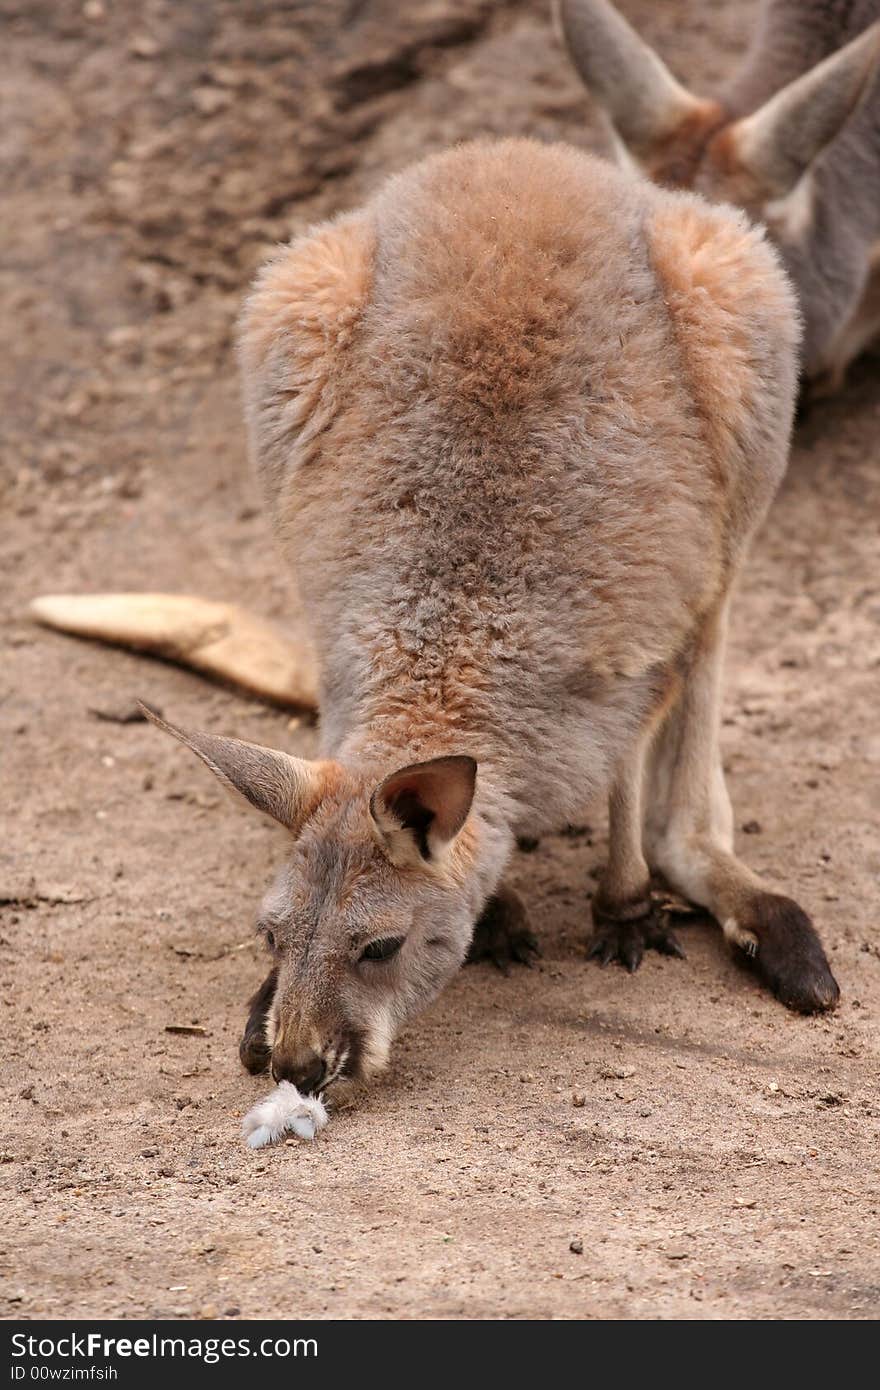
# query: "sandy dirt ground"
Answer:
x=714 y=1156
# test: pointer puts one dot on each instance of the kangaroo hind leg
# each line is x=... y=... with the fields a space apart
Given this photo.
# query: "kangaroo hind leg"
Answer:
x=689 y=839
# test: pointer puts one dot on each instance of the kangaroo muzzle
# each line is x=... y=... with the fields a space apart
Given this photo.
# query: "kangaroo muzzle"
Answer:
x=307 y=1070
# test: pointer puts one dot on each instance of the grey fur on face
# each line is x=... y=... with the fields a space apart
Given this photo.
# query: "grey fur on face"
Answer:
x=333 y=1001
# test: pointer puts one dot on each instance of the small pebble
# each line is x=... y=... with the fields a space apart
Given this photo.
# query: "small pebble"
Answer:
x=142 y=46
x=527 y=844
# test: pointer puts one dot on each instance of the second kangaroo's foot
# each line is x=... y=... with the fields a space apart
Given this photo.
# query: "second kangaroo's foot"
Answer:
x=626 y=938
x=502 y=934
x=782 y=946
x=254 y=1049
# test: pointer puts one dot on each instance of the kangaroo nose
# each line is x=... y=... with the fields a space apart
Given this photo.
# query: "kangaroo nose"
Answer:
x=306 y=1075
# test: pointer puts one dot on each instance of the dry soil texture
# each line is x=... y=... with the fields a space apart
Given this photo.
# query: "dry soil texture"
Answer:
x=716 y=1156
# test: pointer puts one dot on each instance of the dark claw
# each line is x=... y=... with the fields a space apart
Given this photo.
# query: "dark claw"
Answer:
x=599 y=949
x=524 y=948
x=666 y=942
x=626 y=942
x=503 y=935
x=632 y=955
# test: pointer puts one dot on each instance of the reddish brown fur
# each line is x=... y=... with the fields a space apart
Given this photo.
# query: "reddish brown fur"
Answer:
x=674 y=158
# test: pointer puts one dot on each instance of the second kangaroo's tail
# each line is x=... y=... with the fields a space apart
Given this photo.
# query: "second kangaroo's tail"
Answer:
x=218 y=639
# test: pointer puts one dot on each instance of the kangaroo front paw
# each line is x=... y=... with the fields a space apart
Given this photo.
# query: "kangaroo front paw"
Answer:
x=626 y=940
x=254 y=1053
x=782 y=946
x=253 y=1049
x=502 y=934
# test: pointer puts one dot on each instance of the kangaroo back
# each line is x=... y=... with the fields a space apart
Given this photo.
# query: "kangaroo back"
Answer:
x=483 y=407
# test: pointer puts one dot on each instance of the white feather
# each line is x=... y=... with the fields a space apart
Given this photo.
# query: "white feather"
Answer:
x=283 y=1111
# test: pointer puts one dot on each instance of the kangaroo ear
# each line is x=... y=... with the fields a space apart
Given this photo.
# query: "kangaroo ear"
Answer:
x=285 y=788
x=778 y=142
x=631 y=84
x=420 y=809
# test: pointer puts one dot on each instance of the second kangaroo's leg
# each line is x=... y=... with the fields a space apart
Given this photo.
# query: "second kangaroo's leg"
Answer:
x=689 y=838
x=861 y=331
x=626 y=920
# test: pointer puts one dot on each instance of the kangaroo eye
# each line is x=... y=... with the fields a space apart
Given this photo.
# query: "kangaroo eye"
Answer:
x=383 y=949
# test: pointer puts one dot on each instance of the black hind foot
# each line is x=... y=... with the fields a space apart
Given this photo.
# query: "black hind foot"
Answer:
x=781 y=945
x=625 y=940
x=253 y=1049
x=502 y=934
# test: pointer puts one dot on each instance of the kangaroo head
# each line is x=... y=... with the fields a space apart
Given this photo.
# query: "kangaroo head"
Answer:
x=373 y=911
x=763 y=162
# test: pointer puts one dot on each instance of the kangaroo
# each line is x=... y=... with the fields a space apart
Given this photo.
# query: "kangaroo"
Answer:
x=794 y=139
x=516 y=421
